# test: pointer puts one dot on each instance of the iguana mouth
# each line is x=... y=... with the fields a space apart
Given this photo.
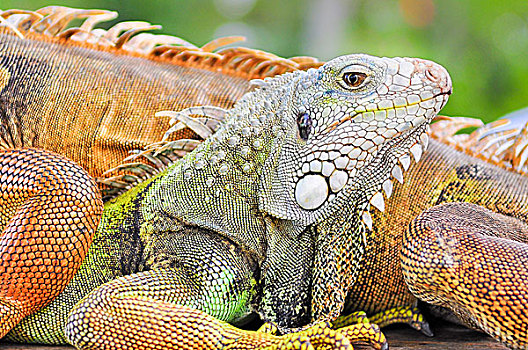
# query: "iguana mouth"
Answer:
x=447 y=93
x=351 y=117
x=436 y=109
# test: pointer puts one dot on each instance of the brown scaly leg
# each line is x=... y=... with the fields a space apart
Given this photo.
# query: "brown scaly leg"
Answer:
x=49 y=210
x=475 y=263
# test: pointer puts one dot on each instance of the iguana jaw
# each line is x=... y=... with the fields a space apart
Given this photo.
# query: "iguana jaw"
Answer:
x=390 y=160
x=393 y=159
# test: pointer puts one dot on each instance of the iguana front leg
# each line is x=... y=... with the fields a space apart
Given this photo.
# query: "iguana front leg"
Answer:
x=474 y=262
x=49 y=210
x=177 y=303
x=139 y=322
x=186 y=306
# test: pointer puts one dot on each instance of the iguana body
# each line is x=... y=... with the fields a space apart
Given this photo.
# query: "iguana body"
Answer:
x=93 y=99
x=380 y=287
x=458 y=177
x=243 y=204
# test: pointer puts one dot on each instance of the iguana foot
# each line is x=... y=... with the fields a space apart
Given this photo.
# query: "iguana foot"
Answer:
x=326 y=335
x=365 y=333
x=410 y=315
x=319 y=336
x=360 y=328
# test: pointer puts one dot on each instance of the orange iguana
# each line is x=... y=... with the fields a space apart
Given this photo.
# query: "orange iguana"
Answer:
x=97 y=115
x=91 y=95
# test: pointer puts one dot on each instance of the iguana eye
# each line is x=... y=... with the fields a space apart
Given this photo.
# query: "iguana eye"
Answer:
x=304 y=123
x=354 y=79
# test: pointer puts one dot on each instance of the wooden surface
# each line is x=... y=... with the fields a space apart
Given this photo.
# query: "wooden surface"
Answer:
x=400 y=338
x=446 y=337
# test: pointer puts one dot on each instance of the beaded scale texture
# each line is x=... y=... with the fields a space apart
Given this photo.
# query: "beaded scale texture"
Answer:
x=289 y=201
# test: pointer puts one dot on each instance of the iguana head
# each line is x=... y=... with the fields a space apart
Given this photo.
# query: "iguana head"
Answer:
x=345 y=127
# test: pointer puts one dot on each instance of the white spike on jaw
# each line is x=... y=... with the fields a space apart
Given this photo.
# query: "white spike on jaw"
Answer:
x=387 y=187
x=397 y=173
x=424 y=140
x=416 y=151
x=405 y=161
x=367 y=219
x=378 y=202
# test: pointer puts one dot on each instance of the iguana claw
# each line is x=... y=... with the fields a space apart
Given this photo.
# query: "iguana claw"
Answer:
x=324 y=335
x=409 y=315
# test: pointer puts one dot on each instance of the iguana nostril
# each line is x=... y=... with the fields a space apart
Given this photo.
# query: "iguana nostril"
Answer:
x=432 y=75
x=440 y=77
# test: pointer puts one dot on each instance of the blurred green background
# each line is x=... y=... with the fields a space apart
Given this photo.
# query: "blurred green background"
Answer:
x=483 y=43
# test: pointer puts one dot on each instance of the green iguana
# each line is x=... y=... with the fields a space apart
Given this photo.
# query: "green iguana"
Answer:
x=379 y=289
x=236 y=227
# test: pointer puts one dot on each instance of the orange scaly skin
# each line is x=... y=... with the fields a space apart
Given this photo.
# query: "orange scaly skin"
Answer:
x=453 y=176
x=94 y=102
x=105 y=102
x=50 y=210
x=474 y=262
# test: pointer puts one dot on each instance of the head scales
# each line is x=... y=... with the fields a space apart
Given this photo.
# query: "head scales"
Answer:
x=337 y=140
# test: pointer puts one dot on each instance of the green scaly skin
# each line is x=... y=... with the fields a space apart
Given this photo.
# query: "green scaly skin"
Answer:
x=239 y=226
